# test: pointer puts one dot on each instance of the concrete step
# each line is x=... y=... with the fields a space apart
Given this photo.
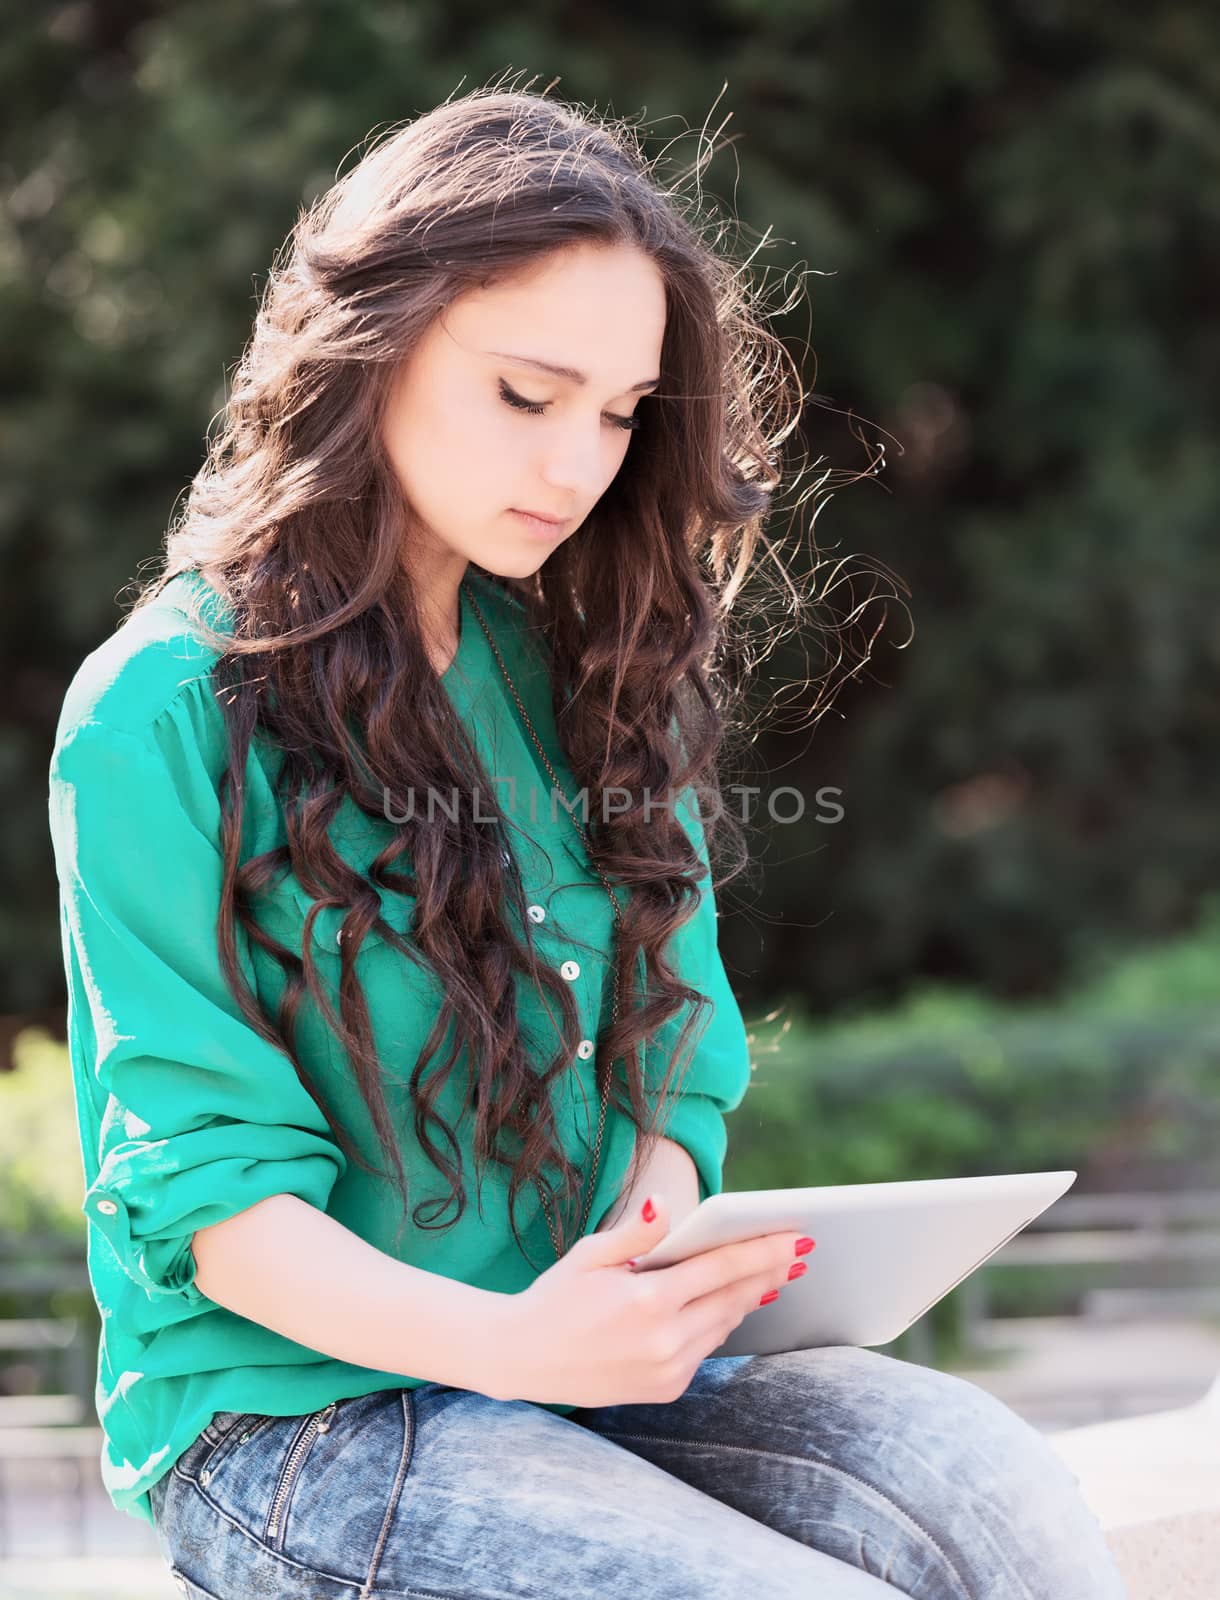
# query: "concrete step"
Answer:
x=1154 y=1483
x=1171 y=1558
x=1140 y=1469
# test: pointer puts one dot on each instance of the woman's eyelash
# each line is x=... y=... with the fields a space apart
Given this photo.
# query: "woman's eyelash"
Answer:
x=536 y=408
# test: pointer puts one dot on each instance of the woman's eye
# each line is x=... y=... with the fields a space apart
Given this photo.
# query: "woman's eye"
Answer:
x=521 y=403
x=537 y=408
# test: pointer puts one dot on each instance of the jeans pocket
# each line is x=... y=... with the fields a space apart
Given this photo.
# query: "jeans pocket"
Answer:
x=250 y=1465
x=224 y=1434
x=223 y=1422
x=201 y=1447
x=188 y=1588
x=279 y=1500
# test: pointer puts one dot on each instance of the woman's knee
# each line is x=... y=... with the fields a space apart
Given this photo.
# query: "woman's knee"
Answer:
x=906 y=1424
x=982 y=1481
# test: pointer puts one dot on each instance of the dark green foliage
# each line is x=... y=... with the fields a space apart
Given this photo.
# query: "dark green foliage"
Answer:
x=1119 y=1080
x=1017 y=208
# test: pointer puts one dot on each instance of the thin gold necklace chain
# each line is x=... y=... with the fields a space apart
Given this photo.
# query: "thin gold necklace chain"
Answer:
x=604 y=1097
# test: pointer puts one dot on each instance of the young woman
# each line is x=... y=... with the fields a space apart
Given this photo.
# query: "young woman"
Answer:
x=381 y=867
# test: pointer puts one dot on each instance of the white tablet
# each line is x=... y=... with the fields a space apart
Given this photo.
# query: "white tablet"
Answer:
x=884 y=1252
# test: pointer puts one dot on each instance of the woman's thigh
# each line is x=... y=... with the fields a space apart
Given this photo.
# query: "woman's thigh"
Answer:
x=442 y=1492
x=912 y=1474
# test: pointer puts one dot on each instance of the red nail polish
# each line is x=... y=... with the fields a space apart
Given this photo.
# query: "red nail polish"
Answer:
x=798 y=1269
x=771 y=1294
x=649 y=1211
x=804 y=1246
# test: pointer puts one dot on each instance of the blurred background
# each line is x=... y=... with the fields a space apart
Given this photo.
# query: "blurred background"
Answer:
x=1004 y=955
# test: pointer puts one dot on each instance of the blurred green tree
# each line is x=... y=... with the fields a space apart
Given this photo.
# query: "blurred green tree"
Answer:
x=1017 y=210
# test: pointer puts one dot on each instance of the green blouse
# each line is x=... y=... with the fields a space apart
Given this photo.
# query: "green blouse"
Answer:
x=188 y=1116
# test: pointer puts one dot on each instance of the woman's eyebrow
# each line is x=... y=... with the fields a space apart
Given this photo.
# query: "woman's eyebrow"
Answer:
x=570 y=373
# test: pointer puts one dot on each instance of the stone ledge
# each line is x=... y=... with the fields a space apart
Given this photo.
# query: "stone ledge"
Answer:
x=1170 y=1558
x=1135 y=1469
x=1154 y=1484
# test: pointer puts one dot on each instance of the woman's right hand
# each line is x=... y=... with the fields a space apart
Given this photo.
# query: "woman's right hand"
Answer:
x=592 y=1331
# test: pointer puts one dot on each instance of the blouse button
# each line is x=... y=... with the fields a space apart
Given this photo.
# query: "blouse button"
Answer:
x=107 y=1207
x=585 y=1049
x=535 y=913
x=570 y=970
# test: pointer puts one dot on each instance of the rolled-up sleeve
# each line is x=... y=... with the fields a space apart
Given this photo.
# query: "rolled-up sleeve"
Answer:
x=718 y=1075
x=188 y=1115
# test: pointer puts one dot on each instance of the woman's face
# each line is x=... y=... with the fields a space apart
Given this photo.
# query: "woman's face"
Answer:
x=470 y=457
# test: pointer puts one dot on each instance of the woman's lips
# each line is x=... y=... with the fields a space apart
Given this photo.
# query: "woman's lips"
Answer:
x=541 y=527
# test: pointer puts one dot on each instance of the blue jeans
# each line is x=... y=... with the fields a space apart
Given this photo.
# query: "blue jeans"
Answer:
x=831 y=1474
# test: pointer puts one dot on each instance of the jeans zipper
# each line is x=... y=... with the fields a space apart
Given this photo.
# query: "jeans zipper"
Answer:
x=318 y=1423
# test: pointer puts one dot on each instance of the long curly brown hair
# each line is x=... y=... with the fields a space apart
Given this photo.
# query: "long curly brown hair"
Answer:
x=297 y=518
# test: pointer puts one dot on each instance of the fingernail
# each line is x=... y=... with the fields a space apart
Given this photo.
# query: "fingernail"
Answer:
x=649 y=1211
x=804 y=1246
x=797 y=1270
x=771 y=1294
